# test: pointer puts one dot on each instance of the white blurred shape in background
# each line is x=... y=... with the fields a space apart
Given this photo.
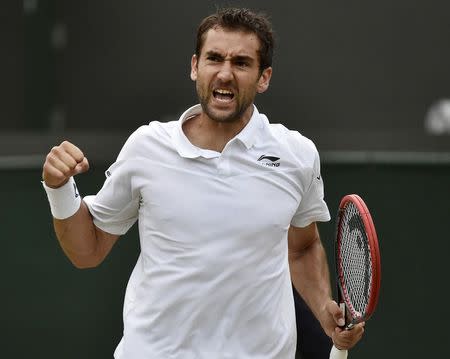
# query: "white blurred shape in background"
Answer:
x=437 y=119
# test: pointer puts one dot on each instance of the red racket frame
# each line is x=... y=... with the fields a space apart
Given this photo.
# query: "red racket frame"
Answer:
x=374 y=253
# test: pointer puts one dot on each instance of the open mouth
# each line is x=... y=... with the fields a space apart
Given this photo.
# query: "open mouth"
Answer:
x=223 y=95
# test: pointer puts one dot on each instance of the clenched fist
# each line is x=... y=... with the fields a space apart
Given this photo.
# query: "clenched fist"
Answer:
x=63 y=162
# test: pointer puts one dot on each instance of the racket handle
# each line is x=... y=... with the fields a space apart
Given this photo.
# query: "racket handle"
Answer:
x=338 y=354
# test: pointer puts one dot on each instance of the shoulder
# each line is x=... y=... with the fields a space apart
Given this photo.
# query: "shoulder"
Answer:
x=153 y=129
x=292 y=137
x=299 y=146
x=143 y=140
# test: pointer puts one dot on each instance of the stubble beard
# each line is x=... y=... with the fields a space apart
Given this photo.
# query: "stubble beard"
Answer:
x=234 y=116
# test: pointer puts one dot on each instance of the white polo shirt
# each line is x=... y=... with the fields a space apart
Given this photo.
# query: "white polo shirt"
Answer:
x=212 y=279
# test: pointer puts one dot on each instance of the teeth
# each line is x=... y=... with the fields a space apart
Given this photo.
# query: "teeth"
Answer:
x=224 y=92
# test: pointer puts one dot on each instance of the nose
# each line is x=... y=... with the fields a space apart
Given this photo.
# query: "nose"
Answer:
x=225 y=72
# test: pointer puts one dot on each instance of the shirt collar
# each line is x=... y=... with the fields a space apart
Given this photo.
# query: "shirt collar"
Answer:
x=186 y=149
x=249 y=133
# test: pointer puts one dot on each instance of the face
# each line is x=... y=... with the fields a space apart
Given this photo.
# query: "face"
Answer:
x=227 y=74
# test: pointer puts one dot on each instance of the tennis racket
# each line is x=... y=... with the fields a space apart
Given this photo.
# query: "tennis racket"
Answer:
x=358 y=266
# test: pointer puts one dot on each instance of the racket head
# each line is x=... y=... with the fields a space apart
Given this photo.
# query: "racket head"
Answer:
x=357 y=257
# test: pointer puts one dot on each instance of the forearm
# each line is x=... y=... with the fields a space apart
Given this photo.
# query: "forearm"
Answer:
x=310 y=276
x=78 y=238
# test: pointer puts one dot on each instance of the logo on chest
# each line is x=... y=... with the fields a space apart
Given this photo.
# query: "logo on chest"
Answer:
x=269 y=161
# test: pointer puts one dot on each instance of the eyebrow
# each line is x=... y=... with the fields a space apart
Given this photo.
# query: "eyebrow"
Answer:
x=234 y=58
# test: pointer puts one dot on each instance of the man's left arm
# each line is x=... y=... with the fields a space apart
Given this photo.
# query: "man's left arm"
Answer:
x=310 y=276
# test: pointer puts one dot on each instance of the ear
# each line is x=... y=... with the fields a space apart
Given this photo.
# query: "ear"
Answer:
x=264 y=80
x=194 y=65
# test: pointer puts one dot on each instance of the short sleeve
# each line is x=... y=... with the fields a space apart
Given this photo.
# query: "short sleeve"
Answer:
x=312 y=207
x=115 y=208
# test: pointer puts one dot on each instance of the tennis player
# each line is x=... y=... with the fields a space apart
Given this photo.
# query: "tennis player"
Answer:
x=227 y=205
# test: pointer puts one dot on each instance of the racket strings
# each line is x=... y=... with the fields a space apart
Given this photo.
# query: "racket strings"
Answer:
x=355 y=261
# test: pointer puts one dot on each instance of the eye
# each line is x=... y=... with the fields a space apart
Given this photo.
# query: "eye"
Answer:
x=213 y=58
x=242 y=63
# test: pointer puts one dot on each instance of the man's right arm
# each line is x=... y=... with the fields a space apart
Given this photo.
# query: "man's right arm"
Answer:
x=84 y=244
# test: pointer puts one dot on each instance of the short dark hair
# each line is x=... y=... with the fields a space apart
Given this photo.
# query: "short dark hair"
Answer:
x=244 y=20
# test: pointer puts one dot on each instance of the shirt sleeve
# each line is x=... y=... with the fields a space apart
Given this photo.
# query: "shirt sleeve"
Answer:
x=312 y=207
x=115 y=208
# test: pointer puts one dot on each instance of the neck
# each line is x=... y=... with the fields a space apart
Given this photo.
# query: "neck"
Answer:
x=213 y=135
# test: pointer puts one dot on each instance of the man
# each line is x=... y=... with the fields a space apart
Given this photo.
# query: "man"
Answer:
x=226 y=205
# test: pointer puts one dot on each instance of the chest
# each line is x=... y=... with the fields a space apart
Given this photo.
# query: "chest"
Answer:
x=226 y=195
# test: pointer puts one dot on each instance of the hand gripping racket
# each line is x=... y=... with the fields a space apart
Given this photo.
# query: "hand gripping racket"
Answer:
x=358 y=267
